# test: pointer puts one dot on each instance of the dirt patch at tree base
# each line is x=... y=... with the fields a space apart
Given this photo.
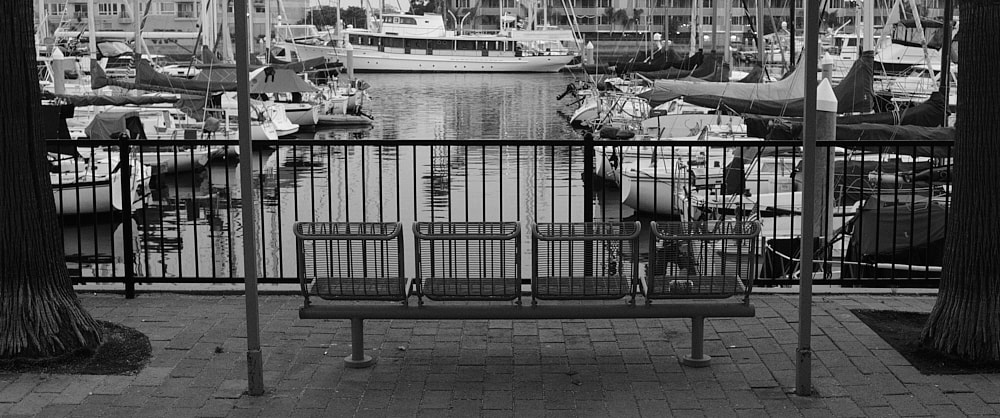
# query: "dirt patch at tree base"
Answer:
x=902 y=331
x=125 y=352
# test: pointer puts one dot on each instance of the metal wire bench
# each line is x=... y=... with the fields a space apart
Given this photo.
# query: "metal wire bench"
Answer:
x=585 y=260
x=468 y=260
x=472 y=271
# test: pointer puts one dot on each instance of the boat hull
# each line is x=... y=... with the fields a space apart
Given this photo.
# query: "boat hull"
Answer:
x=390 y=60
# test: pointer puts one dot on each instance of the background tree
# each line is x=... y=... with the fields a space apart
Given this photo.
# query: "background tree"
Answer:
x=40 y=315
x=609 y=15
x=636 y=18
x=355 y=16
x=965 y=320
x=621 y=17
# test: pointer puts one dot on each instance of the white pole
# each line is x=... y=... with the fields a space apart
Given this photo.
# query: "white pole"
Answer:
x=92 y=29
x=869 y=28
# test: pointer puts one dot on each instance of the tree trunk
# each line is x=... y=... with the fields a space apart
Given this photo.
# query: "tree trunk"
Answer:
x=40 y=315
x=966 y=318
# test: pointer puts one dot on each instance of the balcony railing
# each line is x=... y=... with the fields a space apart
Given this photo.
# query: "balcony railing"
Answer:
x=887 y=203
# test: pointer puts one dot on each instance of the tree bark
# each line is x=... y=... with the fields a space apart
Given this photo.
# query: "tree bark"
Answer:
x=966 y=318
x=40 y=315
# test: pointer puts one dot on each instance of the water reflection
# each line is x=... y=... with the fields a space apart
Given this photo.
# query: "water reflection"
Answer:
x=192 y=227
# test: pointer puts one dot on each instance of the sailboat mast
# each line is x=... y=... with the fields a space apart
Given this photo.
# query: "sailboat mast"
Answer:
x=727 y=56
x=715 y=24
x=869 y=31
x=91 y=29
x=760 y=32
x=791 y=35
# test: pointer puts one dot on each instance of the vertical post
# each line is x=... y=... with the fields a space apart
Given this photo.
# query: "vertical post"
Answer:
x=125 y=176
x=715 y=25
x=697 y=357
x=791 y=35
x=868 y=34
x=588 y=199
x=760 y=32
x=58 y=71
x=350 y=60
x=255 y=366
x=726 y=46
x=945 y=73
x=827 y=131
x=803 y=358
x=358 y=359
x=91 y=29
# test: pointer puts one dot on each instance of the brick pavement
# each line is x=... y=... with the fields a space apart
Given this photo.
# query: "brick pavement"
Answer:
x=501 y=368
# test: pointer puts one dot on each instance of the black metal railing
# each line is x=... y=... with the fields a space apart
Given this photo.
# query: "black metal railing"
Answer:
x=889 y=208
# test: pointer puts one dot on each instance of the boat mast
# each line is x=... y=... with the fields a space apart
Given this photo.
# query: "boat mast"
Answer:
x=715 y=24
x=727 y=57
x=791 y=36
x=760 y=32
x=91 y=29
x=869 y=26
x=695 y=4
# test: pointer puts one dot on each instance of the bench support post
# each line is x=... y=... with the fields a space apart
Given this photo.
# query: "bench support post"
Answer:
x=697 y=357
x=358 y=359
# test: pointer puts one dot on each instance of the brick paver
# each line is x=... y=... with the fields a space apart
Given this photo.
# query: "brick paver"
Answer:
x=502 y=368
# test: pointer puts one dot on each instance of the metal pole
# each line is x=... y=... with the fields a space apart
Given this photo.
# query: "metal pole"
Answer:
x=125 y=175
x=715 y=25
x=869 y=31
x=945 y=73
x=791 y=36
x=803 y=358
x=255 y=369
x=760 y=32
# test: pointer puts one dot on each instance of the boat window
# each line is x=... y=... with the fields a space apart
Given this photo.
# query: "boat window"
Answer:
x=852 y=42
x=465 y=45
x=394 y=42
x=407 y=20
x=416 y=43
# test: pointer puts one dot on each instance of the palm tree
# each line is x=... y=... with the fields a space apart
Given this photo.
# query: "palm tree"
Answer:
x=966 y=318
x=40 y=315
x=621 y=17
x=609 y=14
x=636 y=18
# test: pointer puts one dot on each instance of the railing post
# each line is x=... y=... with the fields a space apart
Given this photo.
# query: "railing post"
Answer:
x=125 y=176
x=588 y=199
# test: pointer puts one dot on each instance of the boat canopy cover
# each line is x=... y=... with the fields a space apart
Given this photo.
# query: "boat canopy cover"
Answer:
x=784 y=90
x=262 y=79
x=101 y=100
x=115 y=121
x=786 y=97
x=897 y=232
x=930 y=113
x=146 y=76
x=756 y=75
x=113 y=49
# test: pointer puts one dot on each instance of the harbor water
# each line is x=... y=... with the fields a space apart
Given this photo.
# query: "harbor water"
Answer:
x=190 y=227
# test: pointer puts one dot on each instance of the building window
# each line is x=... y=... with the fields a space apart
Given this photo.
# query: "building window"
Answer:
x=107 y=9
x=706 y=20
x=167 y=8
x=80 y=10
x=462 y=3
x=57 y=9
x=186 y=10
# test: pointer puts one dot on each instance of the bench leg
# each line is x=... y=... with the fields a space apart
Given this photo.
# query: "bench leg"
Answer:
x=358 y=359
x=697 y=357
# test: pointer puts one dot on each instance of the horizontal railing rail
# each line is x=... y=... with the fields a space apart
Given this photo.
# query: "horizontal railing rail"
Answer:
x=177 y=219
